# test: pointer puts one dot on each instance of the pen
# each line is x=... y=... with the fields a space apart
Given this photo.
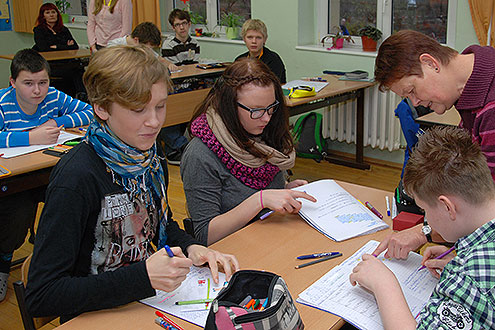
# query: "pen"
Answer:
x=82 y=129
x=1 y=155
x=317 y=255
x=265 y=303
x=72 y=143
x=319 y=260
x=372 y=209
x=266 y=215
x=193 y=302
x=439 y=257
x=169 y=251
x=388 y=205
x=164 y=324
x=160 y=314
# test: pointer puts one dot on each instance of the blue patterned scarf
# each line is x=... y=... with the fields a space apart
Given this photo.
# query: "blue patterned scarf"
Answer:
x=139 y=172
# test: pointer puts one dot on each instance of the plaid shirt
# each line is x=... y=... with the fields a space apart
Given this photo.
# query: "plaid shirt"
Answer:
x=465 y=295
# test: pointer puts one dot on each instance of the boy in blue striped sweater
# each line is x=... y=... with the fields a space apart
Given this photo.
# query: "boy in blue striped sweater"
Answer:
x=31 y=112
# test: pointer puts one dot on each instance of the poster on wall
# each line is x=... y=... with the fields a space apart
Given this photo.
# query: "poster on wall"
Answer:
x=5 y=21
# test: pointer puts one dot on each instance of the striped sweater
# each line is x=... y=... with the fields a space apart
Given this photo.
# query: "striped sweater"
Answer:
x=477 y=102
x=15 y=124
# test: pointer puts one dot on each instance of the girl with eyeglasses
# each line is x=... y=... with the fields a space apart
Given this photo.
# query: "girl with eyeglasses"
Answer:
x=234 y=168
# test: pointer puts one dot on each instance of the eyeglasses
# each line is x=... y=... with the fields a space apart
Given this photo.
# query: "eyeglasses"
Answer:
x=257 y=113
x=176 y=25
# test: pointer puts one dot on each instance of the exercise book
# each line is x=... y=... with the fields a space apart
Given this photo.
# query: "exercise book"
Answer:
x=318 y=85
x=197 y=285
x=18 y=151
x=336 y=213
x=334 y=293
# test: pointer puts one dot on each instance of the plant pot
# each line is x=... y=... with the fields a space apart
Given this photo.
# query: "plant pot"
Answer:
x=65 y=18
x=232 y=32
x=369 y=45
x=338 y=43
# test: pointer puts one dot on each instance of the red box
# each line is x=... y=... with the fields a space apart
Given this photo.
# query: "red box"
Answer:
x=406 y=220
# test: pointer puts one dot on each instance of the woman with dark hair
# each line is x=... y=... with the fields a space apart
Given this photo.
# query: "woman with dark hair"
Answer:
x=50 y=33
x=235 y=165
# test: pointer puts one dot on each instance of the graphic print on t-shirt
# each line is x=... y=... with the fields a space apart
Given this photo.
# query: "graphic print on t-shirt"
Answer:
x=123 y=233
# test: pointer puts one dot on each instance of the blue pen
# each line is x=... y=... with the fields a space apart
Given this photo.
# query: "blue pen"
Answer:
x=169 y=251
x=317 y=255
x=266 y=215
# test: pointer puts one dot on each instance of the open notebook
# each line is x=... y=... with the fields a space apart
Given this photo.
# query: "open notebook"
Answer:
x=337 y=214
x=335 y=294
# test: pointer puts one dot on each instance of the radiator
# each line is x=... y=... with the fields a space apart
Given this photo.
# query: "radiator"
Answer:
x=381 y=127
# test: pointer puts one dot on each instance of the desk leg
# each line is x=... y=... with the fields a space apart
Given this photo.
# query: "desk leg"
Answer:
x=359 y=162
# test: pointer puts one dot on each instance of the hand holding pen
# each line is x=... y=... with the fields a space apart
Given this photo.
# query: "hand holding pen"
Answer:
x=436 y=264
x=167 y=271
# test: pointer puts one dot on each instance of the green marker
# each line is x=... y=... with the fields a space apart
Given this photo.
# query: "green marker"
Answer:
x=193 y=302
x=72 y=143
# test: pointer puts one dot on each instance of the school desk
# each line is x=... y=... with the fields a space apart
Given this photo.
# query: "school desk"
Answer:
x=338 y=91
x=58 y=54
x=181 y=106
x=270 y=245
x=450 y=118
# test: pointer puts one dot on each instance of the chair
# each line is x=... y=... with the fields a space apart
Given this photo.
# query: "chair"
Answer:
x=30 y=323
x=188 y=226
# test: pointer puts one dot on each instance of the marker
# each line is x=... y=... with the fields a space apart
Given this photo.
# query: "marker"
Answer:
x=265 y=303
x=266 y=215
x=256 y=304
x=194 y=302
x=72 y=143
x=169 y=251
x=318 y=260
x=164 y=324
x=439 y=257
x=249 y=304
x=317 y=255
x=387 y=201
x=82 y=129
x=372 y=209
x=160 y=314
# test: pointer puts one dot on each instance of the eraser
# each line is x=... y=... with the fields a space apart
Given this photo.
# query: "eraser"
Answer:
x=406 y=220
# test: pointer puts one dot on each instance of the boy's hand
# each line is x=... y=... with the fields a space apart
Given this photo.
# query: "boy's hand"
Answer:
x=167 y=273
x=372 y=274
x=398 y=245
x=44 y=134
x=201 y=255
x=284 y=200
x=435 y=266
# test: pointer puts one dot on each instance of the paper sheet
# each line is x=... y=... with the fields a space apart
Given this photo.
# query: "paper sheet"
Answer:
x=198 y=285
x=17 y=151
x=318 y=85
x=337 y=214
x=334 y=293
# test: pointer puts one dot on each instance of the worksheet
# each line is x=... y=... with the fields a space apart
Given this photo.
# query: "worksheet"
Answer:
x=17 y=151
x=334 y=293
x=198 y=285
x=336 y=213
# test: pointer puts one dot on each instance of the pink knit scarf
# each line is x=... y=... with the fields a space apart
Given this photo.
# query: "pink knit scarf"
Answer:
x=256 y=178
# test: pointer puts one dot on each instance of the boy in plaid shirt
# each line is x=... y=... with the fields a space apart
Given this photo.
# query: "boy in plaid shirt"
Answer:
x=459 y=200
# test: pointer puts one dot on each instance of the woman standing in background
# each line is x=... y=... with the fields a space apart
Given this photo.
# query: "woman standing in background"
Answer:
x=108 y=20
x=50 y=33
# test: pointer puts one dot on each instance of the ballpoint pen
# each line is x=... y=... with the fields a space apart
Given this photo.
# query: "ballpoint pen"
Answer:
x=317 y=255
x=319 y=260
x=388 y=205
x=266 y=215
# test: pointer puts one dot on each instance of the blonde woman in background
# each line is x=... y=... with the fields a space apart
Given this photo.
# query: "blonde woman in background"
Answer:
x=108 y=20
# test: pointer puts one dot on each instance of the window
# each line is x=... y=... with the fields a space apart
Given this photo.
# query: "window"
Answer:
x=78 y=7
x=433 y=18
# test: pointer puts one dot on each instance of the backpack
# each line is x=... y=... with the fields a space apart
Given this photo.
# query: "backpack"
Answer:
x=308 y=137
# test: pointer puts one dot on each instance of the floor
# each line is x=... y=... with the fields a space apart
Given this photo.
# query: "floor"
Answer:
x=381 y=175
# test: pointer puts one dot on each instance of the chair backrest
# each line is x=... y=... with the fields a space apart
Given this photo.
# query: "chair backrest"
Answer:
x=30 y=323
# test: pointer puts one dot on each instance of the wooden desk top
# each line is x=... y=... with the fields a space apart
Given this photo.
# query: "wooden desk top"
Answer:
x=271 y=245
x=334 y=87
x=451 y=117
x=190 y=70
x=58 y=54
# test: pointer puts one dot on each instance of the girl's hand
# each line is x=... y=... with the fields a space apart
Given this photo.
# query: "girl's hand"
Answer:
x=295 y=183
x=284 y=200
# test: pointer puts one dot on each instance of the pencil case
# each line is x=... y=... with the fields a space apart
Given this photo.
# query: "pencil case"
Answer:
x=229 y=310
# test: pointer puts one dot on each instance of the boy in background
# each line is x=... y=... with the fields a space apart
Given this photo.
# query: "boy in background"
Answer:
x=180 y=49
x=107 y=200
x=31 y=112
x=459 y=200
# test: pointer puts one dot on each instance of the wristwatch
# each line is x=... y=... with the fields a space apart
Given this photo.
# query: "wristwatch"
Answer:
x=426 y=230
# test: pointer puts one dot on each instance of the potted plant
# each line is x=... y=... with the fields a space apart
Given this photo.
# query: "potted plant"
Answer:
x=232 y=22
x=62 y=6
x=369 y=37
x=197 y=21
x=337 y=37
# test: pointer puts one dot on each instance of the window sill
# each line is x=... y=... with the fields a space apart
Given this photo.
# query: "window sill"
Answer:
x=77 y=25
x=345 y=51
x=221 y=39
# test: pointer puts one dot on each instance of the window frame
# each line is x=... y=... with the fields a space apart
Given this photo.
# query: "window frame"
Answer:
x=384 y=7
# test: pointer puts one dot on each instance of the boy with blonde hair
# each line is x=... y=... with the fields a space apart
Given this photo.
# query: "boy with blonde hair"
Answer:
x=459 y=200
x=106 y=202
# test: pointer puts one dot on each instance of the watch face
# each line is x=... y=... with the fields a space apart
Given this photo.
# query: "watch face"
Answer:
x=426 y=230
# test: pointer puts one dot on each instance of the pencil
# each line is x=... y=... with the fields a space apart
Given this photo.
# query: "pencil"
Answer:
x=440 y=256
x=318 y=260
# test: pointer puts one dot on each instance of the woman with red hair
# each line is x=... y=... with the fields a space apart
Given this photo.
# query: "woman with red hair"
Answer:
x=50 y=33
